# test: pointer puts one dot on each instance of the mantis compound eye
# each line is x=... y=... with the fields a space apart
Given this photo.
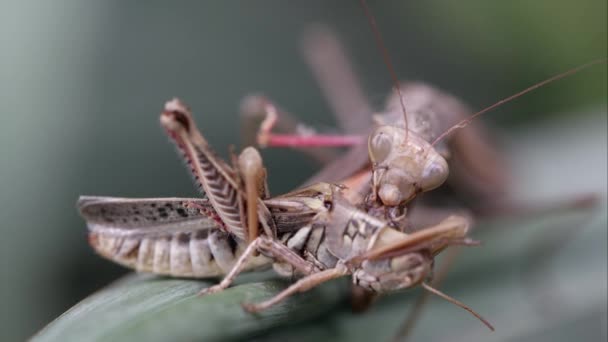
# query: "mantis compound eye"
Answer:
x=434 y=173
x=379 y=145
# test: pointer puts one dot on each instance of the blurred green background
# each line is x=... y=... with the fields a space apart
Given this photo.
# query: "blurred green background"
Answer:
x=82 y=84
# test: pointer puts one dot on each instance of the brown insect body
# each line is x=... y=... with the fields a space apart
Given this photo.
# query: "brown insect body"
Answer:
x=183 y=237
x=307 y=231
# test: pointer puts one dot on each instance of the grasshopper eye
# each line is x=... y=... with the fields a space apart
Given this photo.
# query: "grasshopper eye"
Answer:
x=379 y=146
x=434 y=174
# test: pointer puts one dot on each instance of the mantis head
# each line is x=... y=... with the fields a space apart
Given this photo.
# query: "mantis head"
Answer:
x=404 y=165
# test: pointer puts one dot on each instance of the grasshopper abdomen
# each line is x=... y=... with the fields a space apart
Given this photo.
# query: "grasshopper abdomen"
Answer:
x=172 y=236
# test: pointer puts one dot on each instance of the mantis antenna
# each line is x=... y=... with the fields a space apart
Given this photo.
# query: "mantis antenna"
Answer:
x=387 y=60
x=468 y=120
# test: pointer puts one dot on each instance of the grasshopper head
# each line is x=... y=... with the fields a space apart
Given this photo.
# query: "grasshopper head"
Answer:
x=404 y=165
x=393 y=274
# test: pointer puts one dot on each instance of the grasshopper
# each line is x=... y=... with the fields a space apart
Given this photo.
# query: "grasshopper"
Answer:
x=314 y=232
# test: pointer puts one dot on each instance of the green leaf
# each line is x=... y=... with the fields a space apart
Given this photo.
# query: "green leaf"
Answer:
x=161 y=309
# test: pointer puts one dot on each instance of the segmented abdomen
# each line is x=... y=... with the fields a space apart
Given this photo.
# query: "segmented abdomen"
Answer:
x=171 y=236
x=193 y=254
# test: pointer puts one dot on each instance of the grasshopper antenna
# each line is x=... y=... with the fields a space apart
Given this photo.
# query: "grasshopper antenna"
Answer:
x=468 y=120
x=387 y=59
x=458 y=303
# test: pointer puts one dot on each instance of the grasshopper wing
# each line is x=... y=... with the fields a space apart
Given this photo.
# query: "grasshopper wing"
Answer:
x=159 y=235
x=139 y=217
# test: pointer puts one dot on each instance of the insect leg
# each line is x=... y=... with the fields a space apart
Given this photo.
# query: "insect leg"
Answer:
x=336 y=170
x=452 y=230
x=214 y=176
x=268 y=247
x=256 y=108
x=415 y=313
x=236 y=269
x=253 y=174
x=268 y=138
x=301 y=285
x=284 y=254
